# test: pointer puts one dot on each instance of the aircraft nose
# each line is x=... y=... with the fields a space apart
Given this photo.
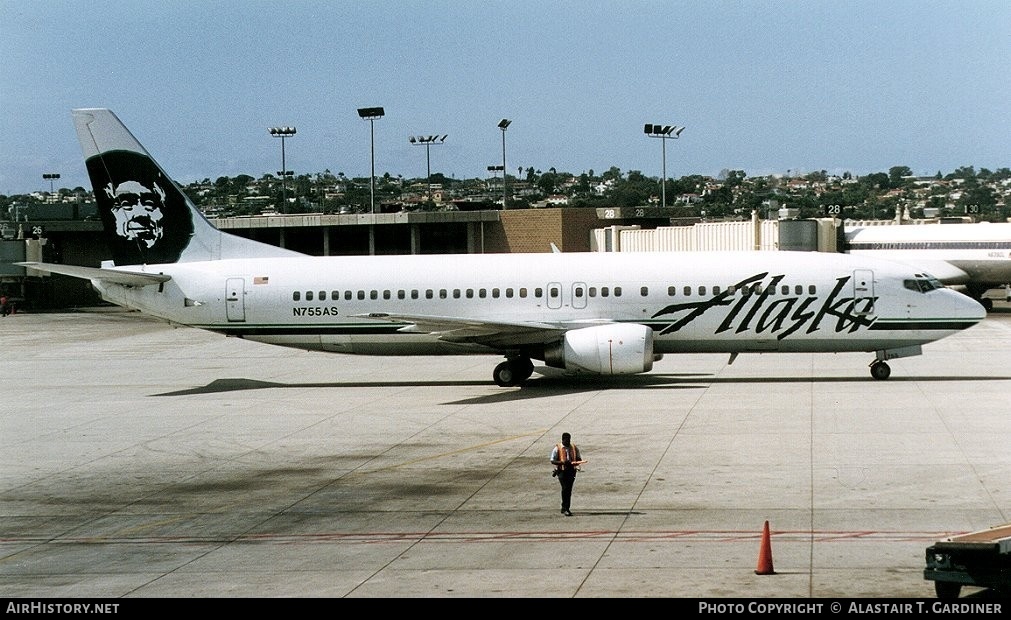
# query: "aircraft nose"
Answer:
x=968 y=309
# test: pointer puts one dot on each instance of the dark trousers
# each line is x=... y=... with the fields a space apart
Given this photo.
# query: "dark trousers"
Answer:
x=566 y=478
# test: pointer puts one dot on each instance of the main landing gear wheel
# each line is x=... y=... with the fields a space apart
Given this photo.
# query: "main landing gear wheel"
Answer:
x=513 y=372
x=880 y=370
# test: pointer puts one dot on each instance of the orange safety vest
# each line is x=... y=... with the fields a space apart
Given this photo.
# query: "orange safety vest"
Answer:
x=565 y=455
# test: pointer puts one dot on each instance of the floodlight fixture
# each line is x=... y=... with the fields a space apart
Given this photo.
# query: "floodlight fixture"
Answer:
x=51 y=176
x=503 y=124
x=427 y=142
x=282 y=133
x=370 y=115
x=664 y=132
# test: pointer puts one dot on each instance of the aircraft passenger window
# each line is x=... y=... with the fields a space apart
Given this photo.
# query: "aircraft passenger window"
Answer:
x=482 y=293
x=798 y=290
x=347 y=294
x=296 y=296
x=401 y=294
x=523 y=292
x=429 y=294
x=688 y=291
x=361 y=294
x=470 y=293
x=578 y=291
x=671 y=291
x=644 y=291
x=604 y=292
x=456 y=293
x=757 y=289
x=495 y=293
x=308 y=295
x=731 y=289
x=593 y=291
x=702 y=290
x=553 y=292
x=322 y=295
x=812 y=289
x=785 y=289
x=442 y=293
x=716 y=290
x=386 y=294
x=373 y=294
x=414 y=293
x=617 y=291
x=509 y=293
x=538 y=292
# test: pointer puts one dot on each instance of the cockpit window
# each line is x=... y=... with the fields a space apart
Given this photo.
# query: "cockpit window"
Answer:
x=923 y=284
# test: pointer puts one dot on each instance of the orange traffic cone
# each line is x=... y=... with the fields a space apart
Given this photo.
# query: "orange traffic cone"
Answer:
x=765 y=554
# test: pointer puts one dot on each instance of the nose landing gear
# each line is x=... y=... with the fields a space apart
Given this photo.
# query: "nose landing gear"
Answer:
x=880 y=370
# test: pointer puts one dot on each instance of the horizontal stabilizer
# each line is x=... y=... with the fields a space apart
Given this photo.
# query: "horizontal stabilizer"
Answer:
x=112 y=276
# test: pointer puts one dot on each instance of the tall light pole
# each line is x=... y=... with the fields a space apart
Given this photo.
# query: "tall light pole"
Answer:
x=664 y=132
x=427 y=142
x=282 y=133
x=494 y=170
x=503 y=124
x=51 y=176
x=371 y=114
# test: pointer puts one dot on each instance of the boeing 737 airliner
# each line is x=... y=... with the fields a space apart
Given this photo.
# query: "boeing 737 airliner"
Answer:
x=595 y=313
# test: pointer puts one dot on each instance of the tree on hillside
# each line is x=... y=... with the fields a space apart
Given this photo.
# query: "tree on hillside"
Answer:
x=896 y=174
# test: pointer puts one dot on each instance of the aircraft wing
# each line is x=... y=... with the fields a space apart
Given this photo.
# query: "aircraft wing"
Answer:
x=114 y=276
x=497 y=334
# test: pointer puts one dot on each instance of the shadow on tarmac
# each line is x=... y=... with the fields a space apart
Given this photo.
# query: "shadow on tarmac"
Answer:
x=556 y=386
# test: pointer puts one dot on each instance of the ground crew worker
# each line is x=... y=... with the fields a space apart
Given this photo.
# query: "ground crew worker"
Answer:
x=566 y=459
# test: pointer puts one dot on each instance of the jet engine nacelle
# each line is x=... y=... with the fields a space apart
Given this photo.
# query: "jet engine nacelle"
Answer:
x=614 y=349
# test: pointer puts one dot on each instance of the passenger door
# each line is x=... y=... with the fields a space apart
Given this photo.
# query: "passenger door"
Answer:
x=235 y=295
x=863 y=292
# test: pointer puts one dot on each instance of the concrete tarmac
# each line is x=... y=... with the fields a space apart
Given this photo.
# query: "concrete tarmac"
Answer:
x=142 y=460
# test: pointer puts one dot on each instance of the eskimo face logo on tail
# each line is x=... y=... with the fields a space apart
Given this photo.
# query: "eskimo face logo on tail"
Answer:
x=145 y=217
x=137 y=210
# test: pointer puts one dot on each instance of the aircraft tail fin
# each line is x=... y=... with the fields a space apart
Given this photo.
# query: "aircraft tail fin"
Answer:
x=146 y=218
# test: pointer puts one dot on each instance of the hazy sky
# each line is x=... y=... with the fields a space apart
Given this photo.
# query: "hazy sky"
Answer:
x=761 y=86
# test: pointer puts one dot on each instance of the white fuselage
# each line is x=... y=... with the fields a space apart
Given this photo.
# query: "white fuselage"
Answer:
x=693 y=301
